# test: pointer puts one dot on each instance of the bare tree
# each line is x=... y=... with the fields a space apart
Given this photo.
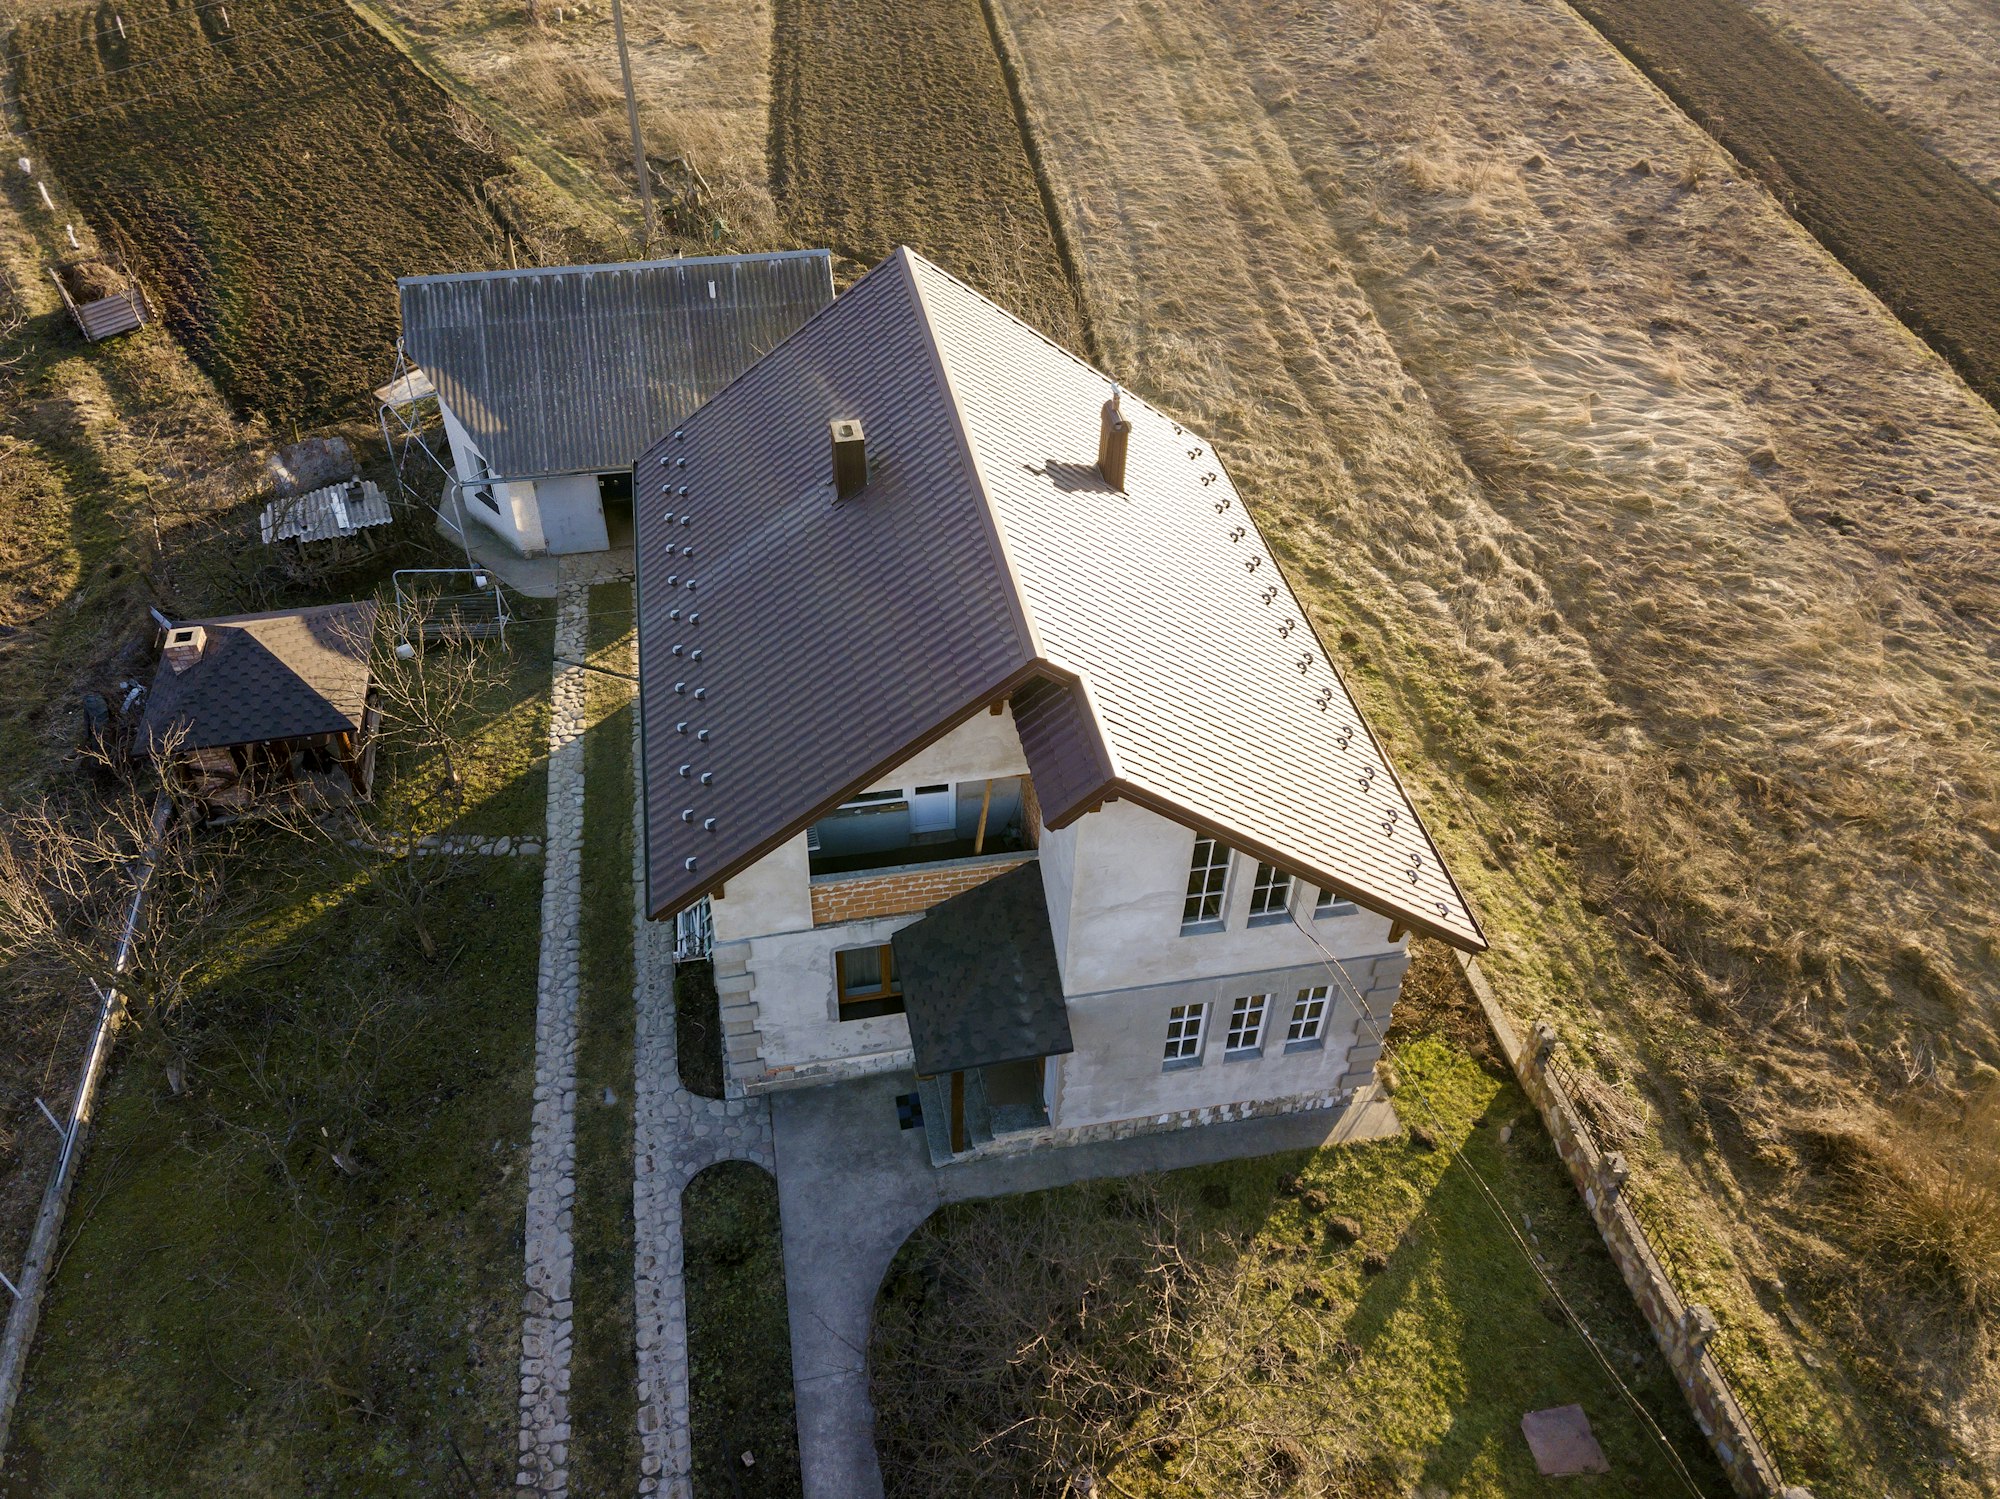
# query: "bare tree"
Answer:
x=69 y=874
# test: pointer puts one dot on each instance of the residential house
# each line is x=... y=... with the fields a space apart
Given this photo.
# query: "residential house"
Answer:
x=551 y=380
x=247 y=703
x=978 y=708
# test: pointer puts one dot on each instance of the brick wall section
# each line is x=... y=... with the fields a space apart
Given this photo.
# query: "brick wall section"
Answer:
x=857 y=898
x=1681 y=1328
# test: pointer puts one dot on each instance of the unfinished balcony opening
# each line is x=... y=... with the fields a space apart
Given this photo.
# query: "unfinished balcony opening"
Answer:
x=921 y=824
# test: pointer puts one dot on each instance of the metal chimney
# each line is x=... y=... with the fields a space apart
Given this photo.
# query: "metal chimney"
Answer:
x=1113 y=432
x=850 y=459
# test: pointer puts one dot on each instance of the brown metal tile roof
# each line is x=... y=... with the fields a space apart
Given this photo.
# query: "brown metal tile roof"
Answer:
x=282 y=675
x=1153 y=649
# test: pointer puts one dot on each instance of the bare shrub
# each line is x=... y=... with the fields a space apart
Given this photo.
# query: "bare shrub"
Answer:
x=1082 y=1353
x=1928 y=1199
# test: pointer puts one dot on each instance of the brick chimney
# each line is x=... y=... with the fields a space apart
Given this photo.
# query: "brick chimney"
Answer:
x=1113 y=432
x=850 y=458
x=183 y=647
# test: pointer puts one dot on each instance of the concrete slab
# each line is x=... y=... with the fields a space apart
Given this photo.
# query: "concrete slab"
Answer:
x=852 y=1186
x=1562 y=1442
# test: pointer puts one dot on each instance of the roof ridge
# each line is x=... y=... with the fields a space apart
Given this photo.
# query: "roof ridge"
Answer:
x=908 y=259
x=591 y=268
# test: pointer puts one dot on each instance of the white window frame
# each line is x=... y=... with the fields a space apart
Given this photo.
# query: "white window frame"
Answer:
x=1330 y=904
x=1184 y=1043
x=1307 y=1027
x=1248 y=1015
x=1270 y=895
x=1222 y=857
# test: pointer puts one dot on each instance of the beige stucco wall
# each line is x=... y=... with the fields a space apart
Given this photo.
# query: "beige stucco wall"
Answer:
x=788 y=962
x=1118 y=1070
x=1116 y=880
x=1126 y=871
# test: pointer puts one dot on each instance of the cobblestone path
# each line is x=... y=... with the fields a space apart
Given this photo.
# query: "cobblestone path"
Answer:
x=546 y=1320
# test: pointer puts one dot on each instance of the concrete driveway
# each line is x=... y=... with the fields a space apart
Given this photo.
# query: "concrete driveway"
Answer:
x=852 y=1186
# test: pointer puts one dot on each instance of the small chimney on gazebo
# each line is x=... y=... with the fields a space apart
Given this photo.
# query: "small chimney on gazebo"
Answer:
x=183 y=647
x=1113 y=432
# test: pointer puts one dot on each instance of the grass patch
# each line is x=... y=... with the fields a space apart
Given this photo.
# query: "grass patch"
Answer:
x=603 y=1413
x=698 y=1029
x=301 y=1275
x=1348 y=1321
x=739 y=1338
x=268 y=175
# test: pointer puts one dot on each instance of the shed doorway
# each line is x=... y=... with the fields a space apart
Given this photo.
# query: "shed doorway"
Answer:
x=614 y=493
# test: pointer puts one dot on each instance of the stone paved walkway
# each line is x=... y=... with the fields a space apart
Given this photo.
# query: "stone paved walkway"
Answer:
x=677 y=1134
x=545 y=1326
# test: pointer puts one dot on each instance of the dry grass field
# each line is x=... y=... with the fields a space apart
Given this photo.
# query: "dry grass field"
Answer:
x=1933 y=66
x=701 y=70
x=1668 y=559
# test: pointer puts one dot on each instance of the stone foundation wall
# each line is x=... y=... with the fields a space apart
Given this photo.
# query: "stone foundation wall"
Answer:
x=895 y=893
x=1682 y=1329
x=1017 y=1141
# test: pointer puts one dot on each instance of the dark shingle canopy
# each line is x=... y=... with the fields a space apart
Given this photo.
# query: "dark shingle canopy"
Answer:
x=794 y=647
x=980 y=981
x=574 y=369
x=283 y=675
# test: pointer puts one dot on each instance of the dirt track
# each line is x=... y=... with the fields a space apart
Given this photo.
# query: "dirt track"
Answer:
x=1922 y=236
x=892 y=123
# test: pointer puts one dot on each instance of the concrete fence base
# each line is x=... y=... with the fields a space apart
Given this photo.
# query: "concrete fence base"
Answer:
x=1683 y=1329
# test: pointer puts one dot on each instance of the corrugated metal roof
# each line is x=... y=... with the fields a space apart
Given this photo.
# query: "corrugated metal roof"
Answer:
x=336 y=510
x=1154 y=650
x=576 y=369
x=283 y=675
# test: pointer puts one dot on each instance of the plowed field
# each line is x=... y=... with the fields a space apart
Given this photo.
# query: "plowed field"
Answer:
x=268 y=176
x=1919 y=233
x=893 y=123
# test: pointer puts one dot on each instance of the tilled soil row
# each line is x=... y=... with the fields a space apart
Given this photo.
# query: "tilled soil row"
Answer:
x=1921 y=236
x=268 y=176
x=892 y=122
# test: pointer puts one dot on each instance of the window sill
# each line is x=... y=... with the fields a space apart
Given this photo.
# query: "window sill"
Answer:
x=1203 y=928
x=871 y=1009
x=1317 y=1043
x=1269 y=918
x=1245 y=1054
x=1339 y=908
x=1179 y=1064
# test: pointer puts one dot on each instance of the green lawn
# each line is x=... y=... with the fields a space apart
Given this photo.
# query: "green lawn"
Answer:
x=739 y=1337
x=1278 y=1355
x=303 y=1275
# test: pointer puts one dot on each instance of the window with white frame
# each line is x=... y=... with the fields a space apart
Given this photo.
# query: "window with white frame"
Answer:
x=1308 y=1023
x=1330 y=904
x=1246 y=1025
x=1185 y=1024
x=1270 y=895
x=1207 y=876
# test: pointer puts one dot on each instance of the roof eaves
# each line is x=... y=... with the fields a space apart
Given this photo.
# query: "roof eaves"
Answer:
x=1017 y=597
x=1203 y=821
x=1305 y=615
x=958 y=715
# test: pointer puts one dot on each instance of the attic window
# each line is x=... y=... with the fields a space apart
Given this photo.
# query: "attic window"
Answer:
x=1270 y=896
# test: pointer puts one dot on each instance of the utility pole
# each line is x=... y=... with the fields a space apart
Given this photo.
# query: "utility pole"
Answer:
x=632 y=118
